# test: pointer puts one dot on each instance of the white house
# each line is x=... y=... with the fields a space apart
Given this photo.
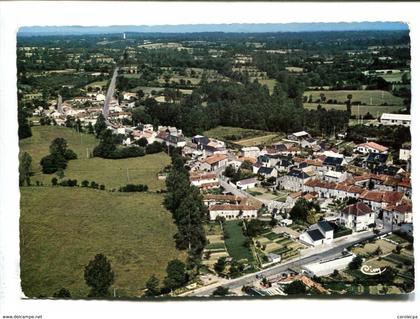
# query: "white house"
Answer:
x=371 y=147
x=400 y=214
x=405 y=154
x=395 y=119
x=247 y=183
x=229 y=211
x=318 y=234
x=357 y=216
x=251 y=151
x=204 y=180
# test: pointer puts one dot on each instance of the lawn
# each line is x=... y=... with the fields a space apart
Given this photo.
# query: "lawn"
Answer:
x=63 y=228
x=111 y=173
x=370 y=97
x=235 y=241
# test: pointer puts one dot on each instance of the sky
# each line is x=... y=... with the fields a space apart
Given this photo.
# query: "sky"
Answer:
x=237 y=27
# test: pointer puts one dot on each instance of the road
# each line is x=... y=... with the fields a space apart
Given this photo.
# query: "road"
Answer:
x=315 y=255
x=110 y=94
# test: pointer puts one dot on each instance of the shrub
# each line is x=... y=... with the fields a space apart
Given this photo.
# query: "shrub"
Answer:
x=134 y=188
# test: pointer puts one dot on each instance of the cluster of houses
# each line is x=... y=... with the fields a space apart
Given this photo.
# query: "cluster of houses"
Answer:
x=377 y=185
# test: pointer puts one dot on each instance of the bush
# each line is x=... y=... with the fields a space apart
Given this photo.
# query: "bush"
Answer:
x=68 y=183
x=155 y=147
x=85 y=183
x=134 y=188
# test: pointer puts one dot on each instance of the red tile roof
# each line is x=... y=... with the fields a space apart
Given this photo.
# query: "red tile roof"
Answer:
x=358 y=209
x=232 y=207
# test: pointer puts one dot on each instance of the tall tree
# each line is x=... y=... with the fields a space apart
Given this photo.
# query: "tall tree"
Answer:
x=24 y=129
x=99 y=276
x=100 y=125
x=25 y=169
x=176 y=275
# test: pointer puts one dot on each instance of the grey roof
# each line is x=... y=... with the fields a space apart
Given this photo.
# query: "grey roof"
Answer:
x=333 y=161
x=298 y=174
x=315 y=234
x=325 y=226
x=265 y=170
x=377 y=158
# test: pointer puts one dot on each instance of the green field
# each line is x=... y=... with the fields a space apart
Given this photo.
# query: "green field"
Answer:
x=369 y=97
x=270 y=83
x=375 y=110
x=235 y=241
x=111 y=173
x=97 y=84
x=237 y=134
x=63 y=228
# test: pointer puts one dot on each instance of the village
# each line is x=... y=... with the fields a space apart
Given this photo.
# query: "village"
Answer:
x=303 y=173
x=352 y=195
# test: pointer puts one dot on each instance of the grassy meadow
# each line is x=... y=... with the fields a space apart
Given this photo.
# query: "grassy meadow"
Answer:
x=241 y=136
x=111 y=173
x=61 y=229
x=375 y=110
x=369 y=97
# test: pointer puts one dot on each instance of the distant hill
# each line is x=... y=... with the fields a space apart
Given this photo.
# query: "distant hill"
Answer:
x=231 y=28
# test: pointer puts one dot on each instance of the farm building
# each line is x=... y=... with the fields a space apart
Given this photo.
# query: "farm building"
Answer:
x=395 y=119
x=229 y=211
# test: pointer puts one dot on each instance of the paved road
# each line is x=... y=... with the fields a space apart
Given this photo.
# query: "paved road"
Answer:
x=110 y=94
x=329 y=252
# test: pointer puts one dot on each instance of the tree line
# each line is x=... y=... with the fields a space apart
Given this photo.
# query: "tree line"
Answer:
x=188 y=211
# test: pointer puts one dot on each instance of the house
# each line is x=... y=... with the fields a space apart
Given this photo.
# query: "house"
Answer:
x=251 y=151
x=294 y=180
x=335 y=176
x=405 y=154
x=171 y=136
x=247 y=183
x=377 y=159
x=215 y=199
x=230 y=211
x=298 y=136
x=318 y=234
x=400 y=214
x=214 y=162
x=357 y=216
x=204 y=180
x=334 y=163
x=371 y=147
x=267 y=172
x=395 y=119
